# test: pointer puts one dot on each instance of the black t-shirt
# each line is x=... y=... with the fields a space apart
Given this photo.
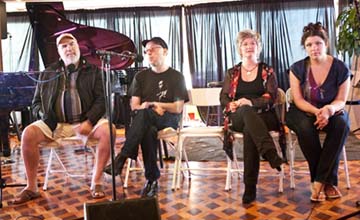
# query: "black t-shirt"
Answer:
x=251 y=90
x=168 y=86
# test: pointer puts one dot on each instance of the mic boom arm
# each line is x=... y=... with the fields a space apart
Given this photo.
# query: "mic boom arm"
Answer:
x=124 y=54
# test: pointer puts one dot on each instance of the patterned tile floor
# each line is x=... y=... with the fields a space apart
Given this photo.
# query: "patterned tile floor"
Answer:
x=203 y=197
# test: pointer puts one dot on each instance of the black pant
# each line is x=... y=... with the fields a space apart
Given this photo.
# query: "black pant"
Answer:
x=257 y=140
x=143 y=131
x=323 y=160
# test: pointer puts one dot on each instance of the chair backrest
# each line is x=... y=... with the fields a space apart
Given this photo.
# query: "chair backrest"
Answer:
x=280 y=103
x=204 y=96
x=281 y=97
x=289 y=98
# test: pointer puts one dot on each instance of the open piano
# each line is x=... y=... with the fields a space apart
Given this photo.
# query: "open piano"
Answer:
x=48 y=22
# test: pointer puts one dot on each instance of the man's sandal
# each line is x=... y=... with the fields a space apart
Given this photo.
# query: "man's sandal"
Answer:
x=25 y=196
x=98 y=192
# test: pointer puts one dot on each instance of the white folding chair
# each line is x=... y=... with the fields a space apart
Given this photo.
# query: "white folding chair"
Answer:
x=64 y=142
x=233 y=166
x=200 y=97
x=292 y=139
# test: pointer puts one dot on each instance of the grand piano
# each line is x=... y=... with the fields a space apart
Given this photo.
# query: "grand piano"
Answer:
x=48 y=22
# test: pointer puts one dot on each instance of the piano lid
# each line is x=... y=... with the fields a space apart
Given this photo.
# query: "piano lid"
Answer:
x=49 y=22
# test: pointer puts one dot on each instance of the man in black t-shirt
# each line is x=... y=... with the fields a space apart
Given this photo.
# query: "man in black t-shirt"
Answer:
x=158 y=95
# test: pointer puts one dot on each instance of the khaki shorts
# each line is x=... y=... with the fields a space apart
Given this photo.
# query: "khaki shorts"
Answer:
x=65 y=130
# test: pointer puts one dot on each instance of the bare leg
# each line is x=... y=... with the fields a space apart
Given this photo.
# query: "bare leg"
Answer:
x=102 y=153
x=31 y=138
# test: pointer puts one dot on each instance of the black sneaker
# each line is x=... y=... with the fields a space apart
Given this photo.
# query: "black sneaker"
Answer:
x=119 y=165
x=150 y=189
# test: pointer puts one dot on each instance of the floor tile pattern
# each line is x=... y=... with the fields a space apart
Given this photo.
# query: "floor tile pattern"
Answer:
x=202 y=197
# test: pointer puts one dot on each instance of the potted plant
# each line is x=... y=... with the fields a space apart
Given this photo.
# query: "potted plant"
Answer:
x=348 y=43
x=348 y=23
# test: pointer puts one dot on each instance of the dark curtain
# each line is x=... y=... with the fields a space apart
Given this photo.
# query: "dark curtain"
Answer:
x=139 y=24
x=212 y=30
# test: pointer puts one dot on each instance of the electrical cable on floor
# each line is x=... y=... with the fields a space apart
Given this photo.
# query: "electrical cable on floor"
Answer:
x=312 y=210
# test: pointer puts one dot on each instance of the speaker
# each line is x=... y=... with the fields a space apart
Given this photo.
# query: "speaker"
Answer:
x=3 y=21
x=128 y=209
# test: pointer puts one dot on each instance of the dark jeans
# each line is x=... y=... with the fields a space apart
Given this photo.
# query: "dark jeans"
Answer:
x=143 y=131
x=257 y=140
x=323 y=160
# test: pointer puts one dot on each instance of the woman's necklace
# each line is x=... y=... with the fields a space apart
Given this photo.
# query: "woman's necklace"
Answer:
x=249 y=71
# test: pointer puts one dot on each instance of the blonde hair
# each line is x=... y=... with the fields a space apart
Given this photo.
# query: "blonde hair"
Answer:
x=245 y=34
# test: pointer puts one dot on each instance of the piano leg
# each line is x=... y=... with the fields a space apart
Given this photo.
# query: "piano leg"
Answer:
x=15 y=123
x=4 y=135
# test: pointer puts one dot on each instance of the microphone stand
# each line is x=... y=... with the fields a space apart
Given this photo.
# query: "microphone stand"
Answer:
x=105 y=66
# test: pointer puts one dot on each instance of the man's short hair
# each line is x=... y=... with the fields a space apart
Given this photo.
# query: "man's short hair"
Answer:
x=156 y=40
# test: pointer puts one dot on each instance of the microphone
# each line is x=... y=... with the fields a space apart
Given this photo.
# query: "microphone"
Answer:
x=124 y=54
x=71 y=68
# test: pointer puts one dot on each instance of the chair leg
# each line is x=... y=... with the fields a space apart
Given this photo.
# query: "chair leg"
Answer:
x=187 y=163
x=127 y=173
x=281 y=174
x=230 y=170
x=228 y=175
x=160 y=147
x=64 y=170
x=346 y=168
x=47 y=173
x=177 y=164
x=178 y=168
x=292 y=160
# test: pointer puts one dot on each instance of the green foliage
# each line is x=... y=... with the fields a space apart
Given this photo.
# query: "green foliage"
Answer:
x=349 y=32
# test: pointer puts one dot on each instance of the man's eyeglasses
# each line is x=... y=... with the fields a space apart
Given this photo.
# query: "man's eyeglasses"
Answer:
x=151 y=49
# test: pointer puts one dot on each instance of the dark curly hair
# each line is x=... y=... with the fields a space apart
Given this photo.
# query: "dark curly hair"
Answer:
x=314 y=30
